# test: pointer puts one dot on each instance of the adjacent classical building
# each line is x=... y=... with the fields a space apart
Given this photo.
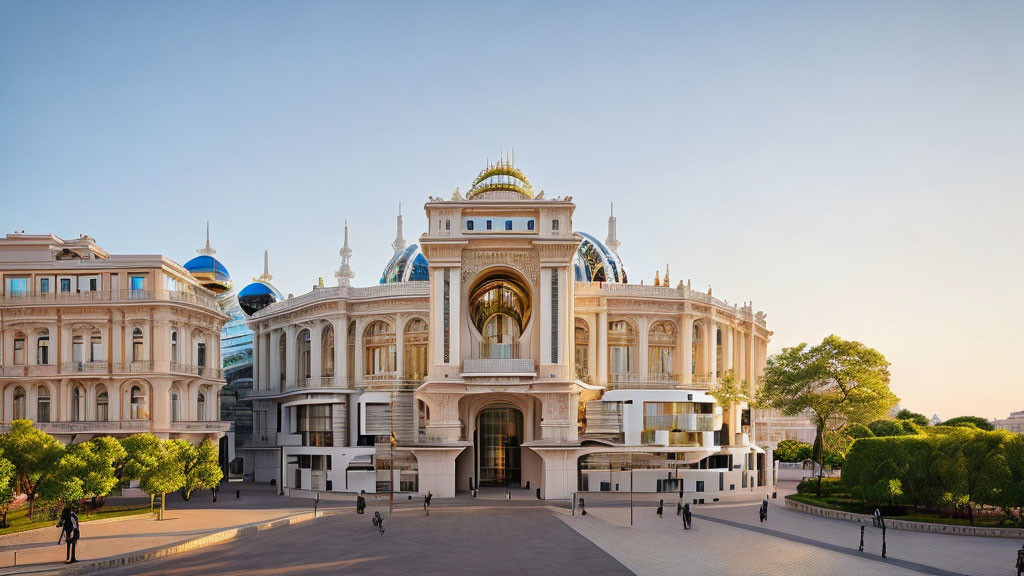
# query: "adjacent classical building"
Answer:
x=505 y=348
x=1014 y=423
x=98 y=344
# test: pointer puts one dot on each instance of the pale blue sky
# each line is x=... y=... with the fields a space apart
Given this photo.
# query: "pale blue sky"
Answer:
x=855 y=168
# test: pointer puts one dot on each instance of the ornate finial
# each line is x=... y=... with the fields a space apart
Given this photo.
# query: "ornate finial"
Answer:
x=657 y=278
x=399 y=243
x=320 y=282
x=612 y=242
x=207 y=250
x=344 y=273
x=665 y=283
x=709 y=289
x=265 y=277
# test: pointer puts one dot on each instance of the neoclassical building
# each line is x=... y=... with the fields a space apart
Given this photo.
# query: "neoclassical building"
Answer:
x=505 y=348
x=98 y=344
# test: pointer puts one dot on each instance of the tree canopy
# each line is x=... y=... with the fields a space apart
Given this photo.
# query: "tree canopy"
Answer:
x=915 y=417
x=840 y=381
x=979 y=422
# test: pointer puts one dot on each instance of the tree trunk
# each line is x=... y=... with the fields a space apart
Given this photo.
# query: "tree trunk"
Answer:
x=821 y=455
x=163 y=505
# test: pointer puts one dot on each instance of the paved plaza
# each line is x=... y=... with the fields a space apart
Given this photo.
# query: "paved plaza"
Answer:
x=522 y=536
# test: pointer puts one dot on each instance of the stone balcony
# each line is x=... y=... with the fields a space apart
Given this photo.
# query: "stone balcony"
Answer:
x=90 y=427
x=113 y=368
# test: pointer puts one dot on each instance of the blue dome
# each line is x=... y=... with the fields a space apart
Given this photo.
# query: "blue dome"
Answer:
x=408 y=265
x=596 y=262
x=257 y=296
x=210 y=273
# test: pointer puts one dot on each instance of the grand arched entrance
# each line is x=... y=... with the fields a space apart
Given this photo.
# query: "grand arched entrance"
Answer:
x=499 y=432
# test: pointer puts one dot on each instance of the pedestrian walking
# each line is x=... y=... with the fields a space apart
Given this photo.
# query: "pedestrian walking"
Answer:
x=426 y=502
x=661 y=507
x=763 y=512
x=378 y=521
x=876 y=518
x=687 y=517
x=583 y=508
x=1020 y=561
x=69 y=532
x=361 y=502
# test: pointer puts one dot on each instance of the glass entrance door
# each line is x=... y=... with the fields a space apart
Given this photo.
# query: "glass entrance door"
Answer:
x=499 y=433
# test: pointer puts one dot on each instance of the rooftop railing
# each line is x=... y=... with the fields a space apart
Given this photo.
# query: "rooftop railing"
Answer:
x=99 y=296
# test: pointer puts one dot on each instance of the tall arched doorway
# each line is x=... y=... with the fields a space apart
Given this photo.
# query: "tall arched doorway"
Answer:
x=499 y=432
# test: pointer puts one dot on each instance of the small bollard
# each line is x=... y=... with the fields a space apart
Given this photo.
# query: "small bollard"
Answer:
x=861 y=549
x=883 y=538
x=316 y=504
x=238 y=494
x=538 y=494
x=527 y=484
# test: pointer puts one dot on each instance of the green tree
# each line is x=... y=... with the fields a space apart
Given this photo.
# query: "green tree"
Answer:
x=915 y=417
x=35 y=455
x=858 y=430
x=793 y=451
x=140 y=454
x=979 y=422
x=841 y=382
x=164 y=475
x=6 y=489
x=200 y=466
x=1011 y=497
x=93 y=462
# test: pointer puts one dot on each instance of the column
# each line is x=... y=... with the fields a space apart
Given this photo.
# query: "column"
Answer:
x=455 y=289
x=290 y=355
x=591 y=347
x=275 y=361
x=341 y=351
x=400 y=346
x=727 y=349
x=643 y=343
x=712 y=349
x=257 y=360
x=751 y=374
x=686 y=327
x=602 y=347
x=316 y=334
x=359 y=372
x=545 y=315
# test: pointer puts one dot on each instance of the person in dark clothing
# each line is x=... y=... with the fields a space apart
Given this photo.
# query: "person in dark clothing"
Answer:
x=763 y=512
x=378 y=521
x=69 y=532
x=583 y=508
x=687 y=517
x=661 y=507
x=426 y=502
x=679 y=508
x=1020 y=561
x=361 y=502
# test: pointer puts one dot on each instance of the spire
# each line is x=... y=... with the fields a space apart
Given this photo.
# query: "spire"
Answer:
x=345 y=273
x=208 y=250
x=265 y=277
x=612 y=242
x=399 y=243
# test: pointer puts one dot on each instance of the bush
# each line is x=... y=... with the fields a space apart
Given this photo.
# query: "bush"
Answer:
x=886 y=428
x=919 y=419
x=910 y=428
x=829 y=486
x=858 y=430
x=980 y=423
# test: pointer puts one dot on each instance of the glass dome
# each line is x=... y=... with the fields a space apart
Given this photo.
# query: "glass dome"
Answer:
x=408 y=265
x=596 y=262
x=257 y=296
x=211 y=274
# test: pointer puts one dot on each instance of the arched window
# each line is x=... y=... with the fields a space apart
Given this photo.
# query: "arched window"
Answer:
x=500 y=308
x=175 y=406
x=77 y=403
x=695 y=350
x=304 y=355
x=43 y=404
x=138 y=404
x=621 y=351
x=327 y=352
x=201 y=407
x=102 y=405
x=174 y=346
x=380 y=355
x=137 y=352
x=95 y=346
x=78 y=349
x=43 y=347
x=415 y=341
x=581 y=336
x=719 y=353
x=661 y=345
x=19 y=404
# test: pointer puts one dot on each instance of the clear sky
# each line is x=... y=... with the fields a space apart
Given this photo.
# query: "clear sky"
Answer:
x=852 y=168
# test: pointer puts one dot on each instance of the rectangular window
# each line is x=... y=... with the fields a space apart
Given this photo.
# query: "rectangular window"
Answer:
x=170 y=284
x=19 y=351
x=95 y=349
x=65 y=284
x=44 y=286
x=43 y=350
x=19 y=286
x=530 y=225
x=554 y=224
x=488 y=224
x=447 y=224
x=554 y=316
x=469 y=224
x=92 y=284
x=313 y=422
x=508 y=224
x=138 y=282
x=700 y=485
